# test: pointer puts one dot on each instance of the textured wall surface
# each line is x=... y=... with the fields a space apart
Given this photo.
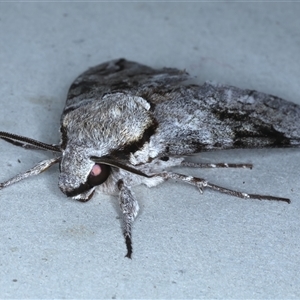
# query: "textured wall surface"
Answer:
x=186 y=245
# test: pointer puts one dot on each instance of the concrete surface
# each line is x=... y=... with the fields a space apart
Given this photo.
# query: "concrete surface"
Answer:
x=186 y=245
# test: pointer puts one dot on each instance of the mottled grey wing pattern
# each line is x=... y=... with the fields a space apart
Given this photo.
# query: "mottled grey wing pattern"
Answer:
x=120 y=76
x=193 y=118
x=210 y=117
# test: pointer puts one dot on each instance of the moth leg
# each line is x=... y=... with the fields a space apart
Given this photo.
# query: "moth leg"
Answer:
x=86 y=196
x=202 y=183
x=129 y=207
x=37 y=169
x=216 y=165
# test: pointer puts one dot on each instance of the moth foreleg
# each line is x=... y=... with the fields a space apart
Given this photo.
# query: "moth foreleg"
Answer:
x=37 y=169
x=86 y=196
x=202 y=183
x=129 y=207
x=216 y=165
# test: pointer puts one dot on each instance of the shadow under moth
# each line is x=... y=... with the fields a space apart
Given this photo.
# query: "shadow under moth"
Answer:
x=126 y=124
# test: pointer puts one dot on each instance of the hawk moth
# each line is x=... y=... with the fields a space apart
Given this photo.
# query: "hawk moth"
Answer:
x=126 y=124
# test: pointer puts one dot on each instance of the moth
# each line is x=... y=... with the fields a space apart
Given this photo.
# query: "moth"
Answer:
x=126 y=124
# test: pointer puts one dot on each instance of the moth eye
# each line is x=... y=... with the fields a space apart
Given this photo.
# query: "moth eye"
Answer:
x=98 y=174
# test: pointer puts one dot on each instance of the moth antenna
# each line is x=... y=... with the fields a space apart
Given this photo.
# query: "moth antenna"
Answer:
x=117 y=164
x=27 y=143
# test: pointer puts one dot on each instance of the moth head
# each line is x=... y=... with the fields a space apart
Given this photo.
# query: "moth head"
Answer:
x=79 y=174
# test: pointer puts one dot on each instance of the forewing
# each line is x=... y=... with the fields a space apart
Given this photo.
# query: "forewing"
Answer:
x=120 y=76
x=211 y=117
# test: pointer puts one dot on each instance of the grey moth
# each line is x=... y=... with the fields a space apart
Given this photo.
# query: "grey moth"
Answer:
x=126 y=124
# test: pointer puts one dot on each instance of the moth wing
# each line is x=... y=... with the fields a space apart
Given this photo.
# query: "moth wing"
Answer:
x=120 y=76
x=210 y=117
x=191 y=118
